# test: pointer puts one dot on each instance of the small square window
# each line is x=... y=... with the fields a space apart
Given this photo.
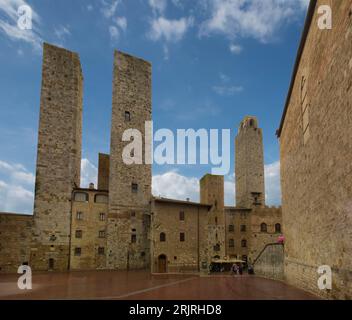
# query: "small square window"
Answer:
x=101 y=250
x=134 y=187
x=182 y=237
x=243 y=228
x=78 y=234
x=102 y=217
x=102 y=234
x=78 y=251
x=133 y=214
x=133 y=238
x=79 y=215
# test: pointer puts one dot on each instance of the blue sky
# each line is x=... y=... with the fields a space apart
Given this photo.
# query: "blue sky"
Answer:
x=214 y=62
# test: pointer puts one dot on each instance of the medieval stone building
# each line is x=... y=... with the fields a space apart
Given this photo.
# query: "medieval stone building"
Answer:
x=119 y=225
x=316 y=147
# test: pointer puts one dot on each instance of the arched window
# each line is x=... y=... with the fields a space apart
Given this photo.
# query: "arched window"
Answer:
x=127 y=116
x=231 y=243
x=278 y=228
x=162 y=237
x=81 y=197
x=263 y=227
x=244 y=243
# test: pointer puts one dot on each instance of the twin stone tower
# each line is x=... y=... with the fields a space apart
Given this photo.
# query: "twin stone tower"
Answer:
x=129 y=186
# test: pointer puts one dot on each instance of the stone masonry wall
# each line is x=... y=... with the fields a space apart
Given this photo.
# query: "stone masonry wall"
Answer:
x=103 y=171
x=131 y=107
x=212 y=193
x=88 y=230
x=58 y=156
x=190 y=255
x=15 y=235
x=316 y=166
x=249 y=164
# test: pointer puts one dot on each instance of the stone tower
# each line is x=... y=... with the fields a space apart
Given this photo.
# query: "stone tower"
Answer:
x=129 y=185
x=212 y=193
x=249 y=165
x=58 y=157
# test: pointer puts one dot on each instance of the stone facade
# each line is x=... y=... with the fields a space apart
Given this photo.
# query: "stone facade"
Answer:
x=179 y=236
x=249 y=164
x=103 y=171
x=212 y=192
x=15 y=232
x=88 y=229
x=316 y=147
x=58 y=157
x=129 y=185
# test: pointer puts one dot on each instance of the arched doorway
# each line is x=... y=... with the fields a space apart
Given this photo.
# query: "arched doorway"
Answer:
x=162 y=261
x=51 y=264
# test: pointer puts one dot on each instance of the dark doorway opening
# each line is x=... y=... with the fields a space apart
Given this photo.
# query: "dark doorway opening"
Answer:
x=162 y=261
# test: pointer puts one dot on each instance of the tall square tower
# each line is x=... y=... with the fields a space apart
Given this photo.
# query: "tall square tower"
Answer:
x=58 y=157
x=129 y=184
x=249 y=165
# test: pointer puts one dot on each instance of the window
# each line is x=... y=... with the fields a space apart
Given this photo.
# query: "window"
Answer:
x=79 y=215
x=162 y=237
x=231 y=243
x=216 y=220
x=231 y=228
x=102 y=234
x=101 y=198
x=133 y=214
x=263 y=227
x=182 y=216
x=278 y=228
x=102 y=216
x=243 y=228
x=244 y=243
x=101 y=250
x=182 y=237
x=78 y=234
x=133 y=238
x=127 y=116
x=78 y=251
x=217 y=247
x=81 y=197
x=134 y=187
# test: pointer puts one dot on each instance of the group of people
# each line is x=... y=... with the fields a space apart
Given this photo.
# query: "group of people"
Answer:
x=237 y=269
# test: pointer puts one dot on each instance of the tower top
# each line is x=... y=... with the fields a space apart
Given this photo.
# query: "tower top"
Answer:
x=248 y=122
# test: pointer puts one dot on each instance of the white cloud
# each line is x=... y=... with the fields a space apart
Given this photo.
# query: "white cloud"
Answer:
x=89 y=173
x=109 y=8
x=175 y=186
x=256 y=19
x=17 y=191
x=227 y=90
x=9 y=26
x=114 y=33
x=235 y=49
x=158 y=5
x=272 y=183
x=121 y=22
x=89 y=7
x=169 y=30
